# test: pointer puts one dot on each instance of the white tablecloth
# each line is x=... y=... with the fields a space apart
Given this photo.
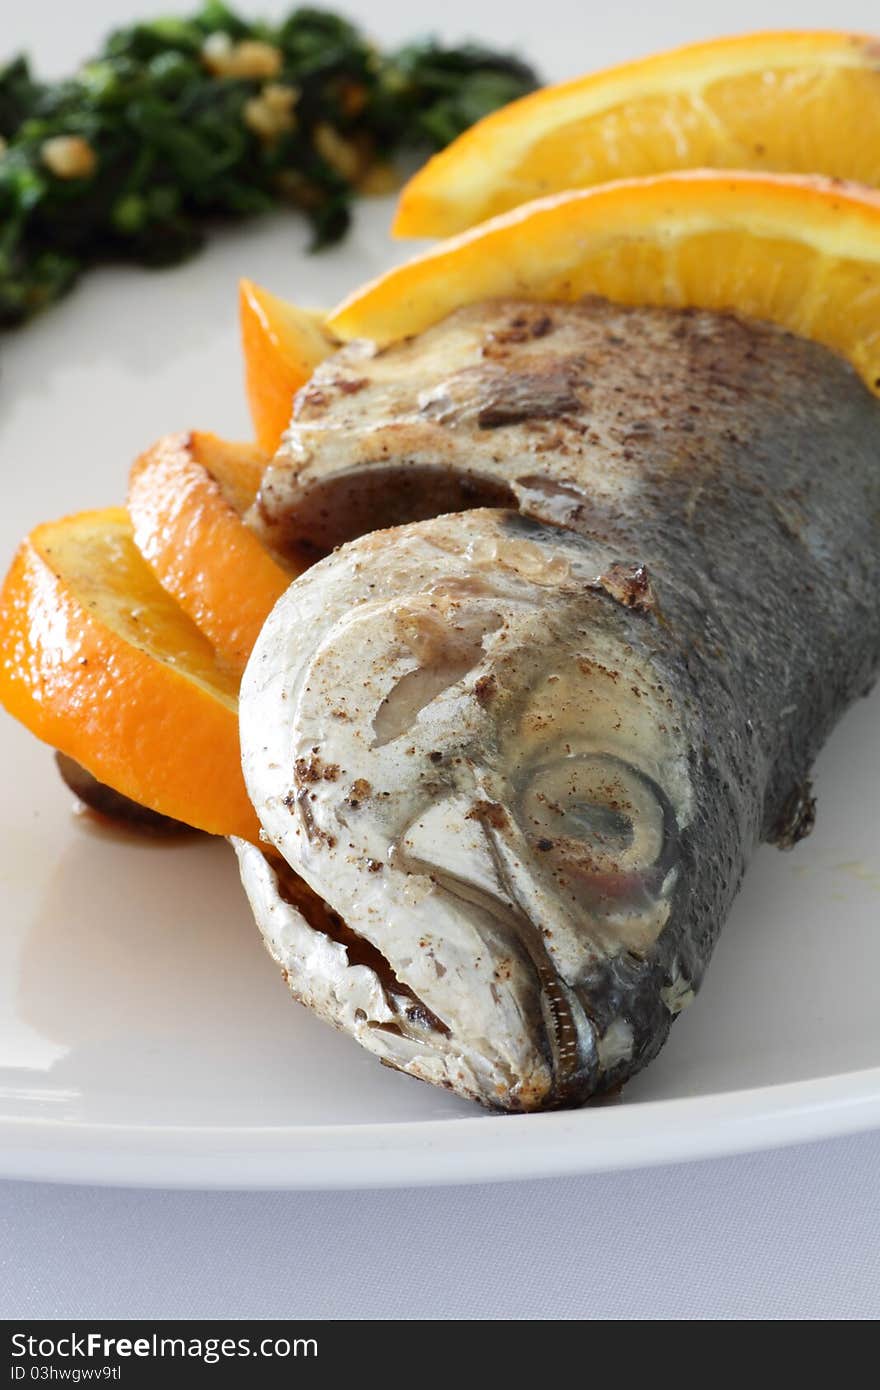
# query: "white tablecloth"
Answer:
x=790 y=1234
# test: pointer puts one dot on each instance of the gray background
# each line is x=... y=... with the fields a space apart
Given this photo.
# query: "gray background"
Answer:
x=792 y=1234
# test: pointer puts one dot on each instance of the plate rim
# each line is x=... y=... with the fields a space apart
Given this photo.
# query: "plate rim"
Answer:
x=425 y=1153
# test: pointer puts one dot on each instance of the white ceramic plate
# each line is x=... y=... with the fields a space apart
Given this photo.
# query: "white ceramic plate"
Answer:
x=146 y=1037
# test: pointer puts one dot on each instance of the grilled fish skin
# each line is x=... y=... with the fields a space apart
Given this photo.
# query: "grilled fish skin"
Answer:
x=528 y=756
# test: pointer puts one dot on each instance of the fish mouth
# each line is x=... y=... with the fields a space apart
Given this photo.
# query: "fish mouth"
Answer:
x=569 y=1036
x=412 y=1015
x=563 y=1038
x=344 y=978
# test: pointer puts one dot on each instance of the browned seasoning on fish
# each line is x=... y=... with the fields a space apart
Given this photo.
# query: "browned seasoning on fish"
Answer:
x=588 y=691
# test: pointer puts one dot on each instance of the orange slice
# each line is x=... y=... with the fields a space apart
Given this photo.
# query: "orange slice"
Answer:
x=98 y=661
x=187 y=496
x=282 y=347
x=803 y=253
x=801 y=102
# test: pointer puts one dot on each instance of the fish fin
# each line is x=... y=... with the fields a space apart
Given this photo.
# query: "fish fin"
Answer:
x=797 y=817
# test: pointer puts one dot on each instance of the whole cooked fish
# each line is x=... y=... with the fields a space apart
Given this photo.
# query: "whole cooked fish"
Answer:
x=518 y=757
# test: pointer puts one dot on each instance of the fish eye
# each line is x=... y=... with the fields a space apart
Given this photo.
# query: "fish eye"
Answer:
x=597 y=816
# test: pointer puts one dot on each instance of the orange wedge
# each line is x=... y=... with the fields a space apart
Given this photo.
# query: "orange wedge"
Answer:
x=98 y=661
x=799 y=102
x=187 y=496
x=803 y=253
x=282 y=347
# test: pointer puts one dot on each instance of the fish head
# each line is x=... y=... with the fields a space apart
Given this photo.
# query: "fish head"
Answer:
x=458 y=733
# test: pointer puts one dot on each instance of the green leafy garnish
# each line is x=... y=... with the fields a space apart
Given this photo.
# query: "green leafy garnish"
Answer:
x=180 y=123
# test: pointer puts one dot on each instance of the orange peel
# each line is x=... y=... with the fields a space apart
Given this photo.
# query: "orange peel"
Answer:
x=98 y=661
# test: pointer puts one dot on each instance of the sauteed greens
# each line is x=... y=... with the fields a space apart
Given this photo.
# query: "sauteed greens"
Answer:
x=178 y=123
